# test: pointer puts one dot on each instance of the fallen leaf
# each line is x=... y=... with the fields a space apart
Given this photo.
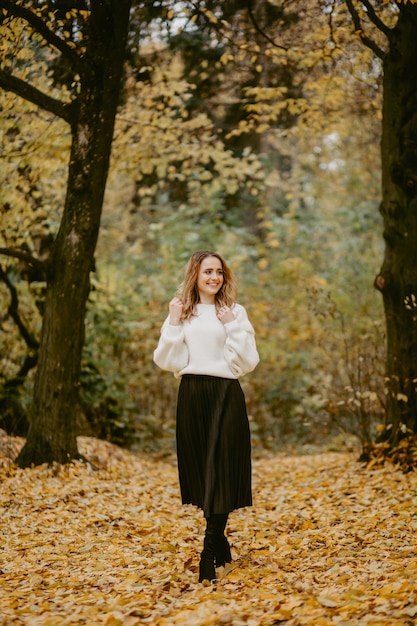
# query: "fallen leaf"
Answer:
x=327 y=542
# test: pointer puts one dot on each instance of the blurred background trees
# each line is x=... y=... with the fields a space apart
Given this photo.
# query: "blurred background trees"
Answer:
x=253 y=131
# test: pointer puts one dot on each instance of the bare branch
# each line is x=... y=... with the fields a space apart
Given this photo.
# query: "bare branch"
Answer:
x=34 y=95
x=13 y=311
x=259 y=29
x=22 y=255
x=367 y=41
x=331 y=33
x=40 y=27
x=375 y=19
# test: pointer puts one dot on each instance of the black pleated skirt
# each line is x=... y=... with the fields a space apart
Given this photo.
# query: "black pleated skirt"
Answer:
x=213 y=444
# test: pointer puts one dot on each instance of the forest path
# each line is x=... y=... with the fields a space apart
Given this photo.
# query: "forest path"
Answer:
x=327 y=542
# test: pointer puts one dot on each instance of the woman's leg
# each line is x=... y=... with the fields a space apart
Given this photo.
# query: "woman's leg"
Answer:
x=216 y=551
x=222 y=552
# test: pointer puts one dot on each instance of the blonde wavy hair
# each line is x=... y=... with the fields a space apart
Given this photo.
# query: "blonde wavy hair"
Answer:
x=188 y=291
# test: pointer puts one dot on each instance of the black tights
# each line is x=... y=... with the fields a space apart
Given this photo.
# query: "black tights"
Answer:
x=216 y=524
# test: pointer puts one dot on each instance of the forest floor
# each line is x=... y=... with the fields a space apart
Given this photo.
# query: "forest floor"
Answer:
x=327 y=542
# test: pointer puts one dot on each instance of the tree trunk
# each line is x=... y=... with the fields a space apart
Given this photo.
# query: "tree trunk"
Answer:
x=398 y=276
x=52 y=432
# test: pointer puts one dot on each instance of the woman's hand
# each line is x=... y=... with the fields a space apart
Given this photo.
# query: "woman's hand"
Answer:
x=225 y=315
x=175 y=311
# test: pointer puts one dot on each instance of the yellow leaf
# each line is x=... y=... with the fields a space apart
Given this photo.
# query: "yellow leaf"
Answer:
x=402 y=397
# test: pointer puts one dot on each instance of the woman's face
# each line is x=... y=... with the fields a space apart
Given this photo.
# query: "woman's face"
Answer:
x=210 y=279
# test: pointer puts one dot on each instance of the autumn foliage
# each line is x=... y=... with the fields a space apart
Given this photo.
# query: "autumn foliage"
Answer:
x=252 y=130
x=193 y=166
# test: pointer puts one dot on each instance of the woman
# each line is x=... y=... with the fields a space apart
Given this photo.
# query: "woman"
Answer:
x=208 y=342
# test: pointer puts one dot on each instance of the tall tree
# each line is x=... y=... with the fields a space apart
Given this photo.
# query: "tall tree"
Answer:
x=90 y=38
x=392 y=37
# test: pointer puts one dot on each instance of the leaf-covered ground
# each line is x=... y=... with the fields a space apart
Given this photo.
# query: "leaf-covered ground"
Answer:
x=327 y=542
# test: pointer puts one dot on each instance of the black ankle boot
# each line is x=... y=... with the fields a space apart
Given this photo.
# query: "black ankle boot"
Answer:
x=208 y=555
x=223 y=554
x=207 y=570
x=216 y=525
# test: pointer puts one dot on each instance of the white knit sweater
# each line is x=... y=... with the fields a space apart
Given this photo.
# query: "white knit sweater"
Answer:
x=204 y=345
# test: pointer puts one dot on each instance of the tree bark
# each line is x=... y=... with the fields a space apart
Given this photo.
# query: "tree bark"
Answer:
x=397 y=280
x=52 y=432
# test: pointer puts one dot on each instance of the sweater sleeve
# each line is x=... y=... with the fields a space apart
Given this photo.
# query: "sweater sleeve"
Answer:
x=240 y=348
x=171 y=353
